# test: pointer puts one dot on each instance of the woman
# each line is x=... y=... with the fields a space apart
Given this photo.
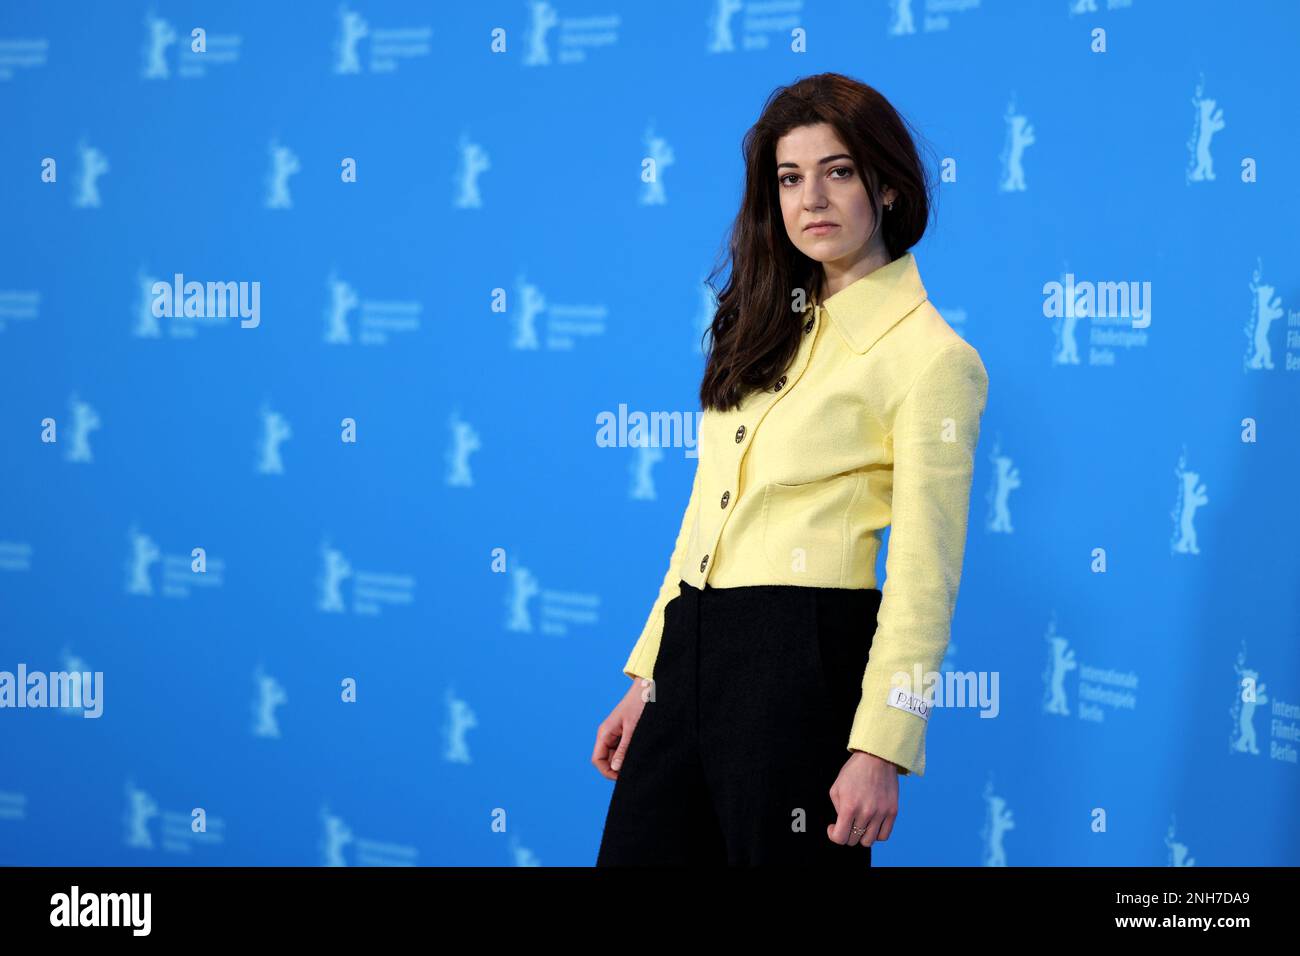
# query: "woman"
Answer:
x=771 y=709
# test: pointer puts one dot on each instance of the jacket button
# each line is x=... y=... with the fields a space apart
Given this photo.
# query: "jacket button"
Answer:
x=780 y=383
x=807 y=326
x=726 y=496
x=740 y=433
x=703 y=561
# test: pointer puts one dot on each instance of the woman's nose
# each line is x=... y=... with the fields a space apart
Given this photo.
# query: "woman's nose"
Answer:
x=813 y=197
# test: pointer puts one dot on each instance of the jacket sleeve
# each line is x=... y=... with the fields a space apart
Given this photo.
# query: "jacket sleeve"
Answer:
x=641 y=661
x=935 y=433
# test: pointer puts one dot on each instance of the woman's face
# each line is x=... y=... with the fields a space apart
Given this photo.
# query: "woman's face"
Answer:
x=819 y=182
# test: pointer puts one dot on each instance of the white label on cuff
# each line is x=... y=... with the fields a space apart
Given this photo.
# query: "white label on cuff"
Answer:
x=912 y=703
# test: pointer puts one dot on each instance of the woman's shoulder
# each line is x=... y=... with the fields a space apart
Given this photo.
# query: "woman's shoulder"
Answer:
x=924 y=339
x=926 y=332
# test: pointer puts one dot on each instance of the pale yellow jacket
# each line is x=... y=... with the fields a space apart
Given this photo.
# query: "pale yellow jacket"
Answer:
x=874 y=423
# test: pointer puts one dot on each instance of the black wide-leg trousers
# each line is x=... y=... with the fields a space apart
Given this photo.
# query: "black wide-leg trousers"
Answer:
x=732 y=761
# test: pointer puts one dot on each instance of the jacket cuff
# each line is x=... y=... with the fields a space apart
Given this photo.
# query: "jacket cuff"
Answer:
x=892 y=732
x=641 y=662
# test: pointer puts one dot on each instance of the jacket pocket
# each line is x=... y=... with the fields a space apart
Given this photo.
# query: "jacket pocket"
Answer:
x=806 y=529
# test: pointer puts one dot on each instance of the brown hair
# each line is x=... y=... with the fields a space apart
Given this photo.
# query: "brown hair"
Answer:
x=753 y=336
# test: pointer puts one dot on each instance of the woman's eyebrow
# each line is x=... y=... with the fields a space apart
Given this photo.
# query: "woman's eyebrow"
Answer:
x=820 y=162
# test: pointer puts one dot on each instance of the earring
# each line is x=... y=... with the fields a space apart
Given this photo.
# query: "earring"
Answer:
x=890 y=205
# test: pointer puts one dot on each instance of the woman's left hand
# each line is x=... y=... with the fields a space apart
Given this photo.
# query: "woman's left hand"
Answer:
x=865 y=795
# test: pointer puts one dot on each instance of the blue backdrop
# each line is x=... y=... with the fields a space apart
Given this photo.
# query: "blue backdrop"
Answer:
x=354 y=572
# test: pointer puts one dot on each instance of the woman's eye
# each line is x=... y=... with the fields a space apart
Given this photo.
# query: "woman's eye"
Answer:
x=846 y=170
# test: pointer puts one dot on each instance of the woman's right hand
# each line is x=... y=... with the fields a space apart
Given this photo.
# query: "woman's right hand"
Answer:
x=615 y=731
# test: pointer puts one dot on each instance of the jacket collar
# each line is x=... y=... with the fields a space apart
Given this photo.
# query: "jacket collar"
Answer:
x=867 y=308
